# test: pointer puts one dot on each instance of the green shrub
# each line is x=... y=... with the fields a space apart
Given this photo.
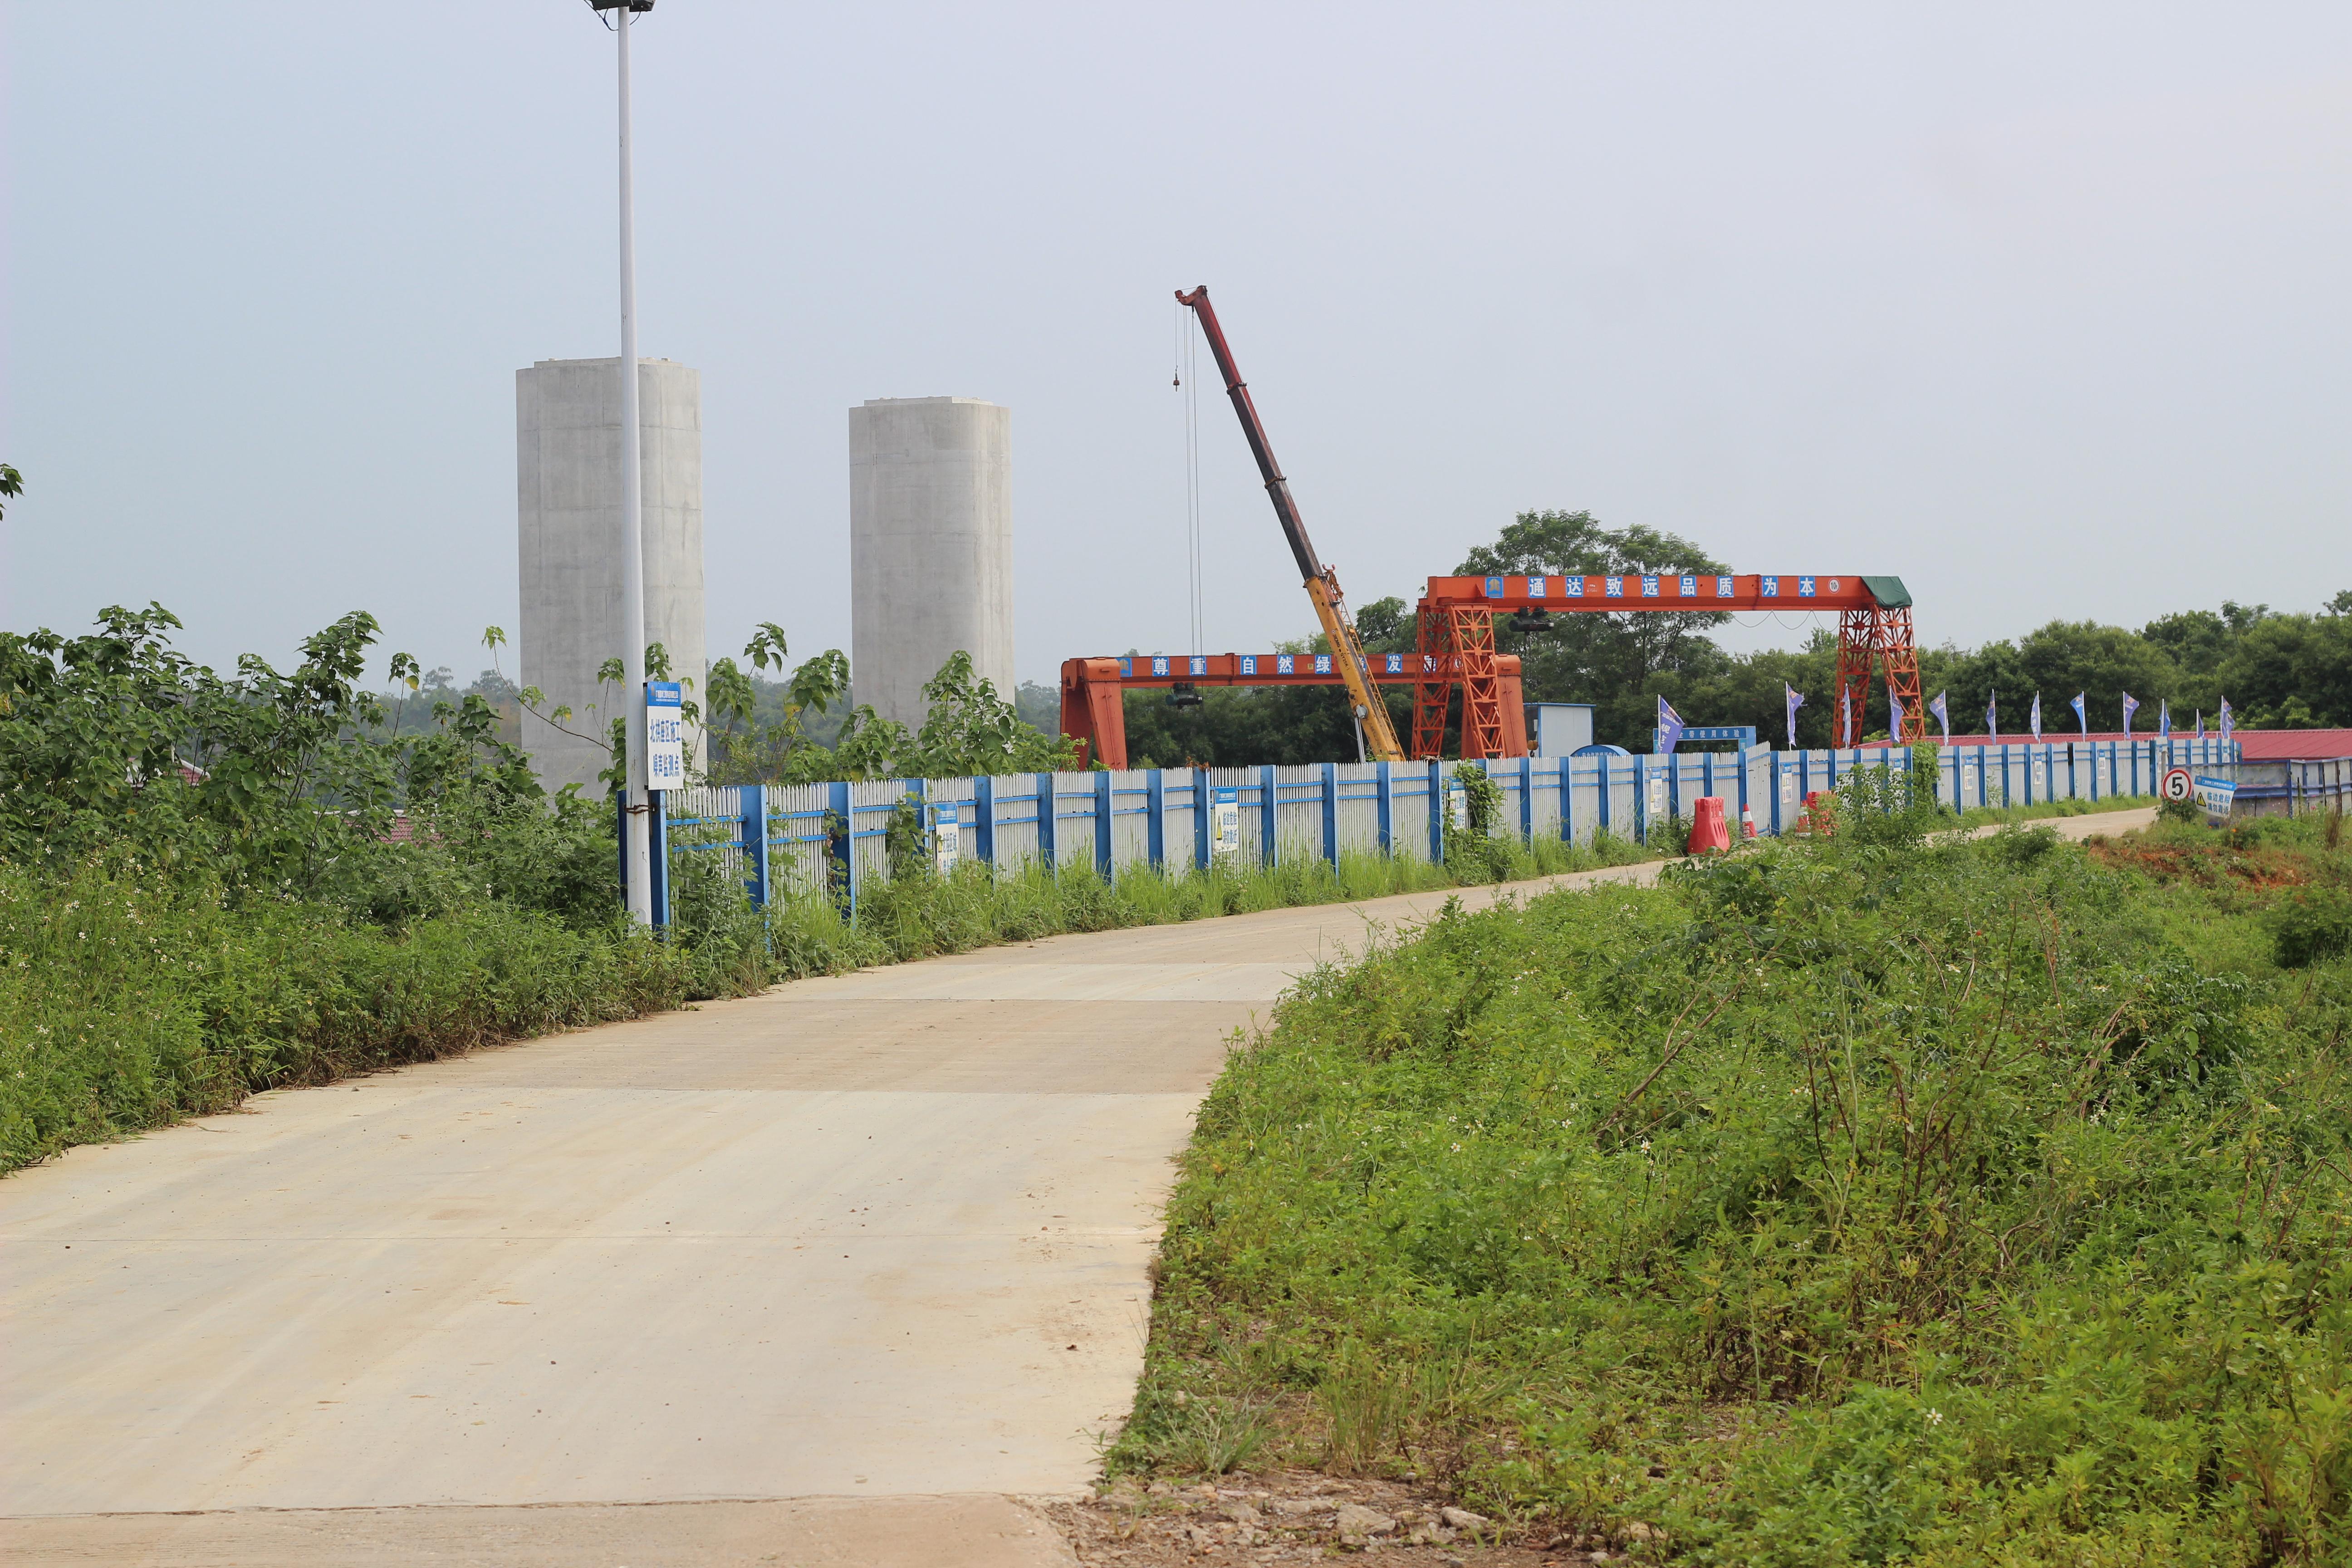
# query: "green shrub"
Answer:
x=1867 y=1202
x=2311 y=926
x=130 y=996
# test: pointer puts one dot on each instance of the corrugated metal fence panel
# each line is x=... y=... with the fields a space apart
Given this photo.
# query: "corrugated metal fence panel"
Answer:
x=1180 y=845
x=1014 y=829
x=1130 y=819
x=1298 y=813
x=1360 y=807
x=796 y=843
x=1409 y=823
x=870 y=805
x=1243 y=782
x=707 y=820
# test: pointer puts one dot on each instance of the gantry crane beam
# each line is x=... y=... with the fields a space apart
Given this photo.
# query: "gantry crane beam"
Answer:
x=1457 y=636
x=1094 y=716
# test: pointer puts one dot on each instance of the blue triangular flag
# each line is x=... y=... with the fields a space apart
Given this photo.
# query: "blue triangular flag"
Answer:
x=1943 y=715
x=1795 y=700
x=2082 y=714
x=1670 y=725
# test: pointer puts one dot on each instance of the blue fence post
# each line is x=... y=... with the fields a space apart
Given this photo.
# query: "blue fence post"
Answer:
x=621 y=844
x=1331 y=814
x=1268 y=798
x=1601 y=766
x=1567 y=804
x=984 y=820
x=1528 y=801
x=660 y=820
x=1202 y=798
x=837 y=829
x=1102 y=825
x=1384 y=798
x=1155 y=820
x=1641 y=799
x=752 y=802
x=1045 y=835
x=1438 y=804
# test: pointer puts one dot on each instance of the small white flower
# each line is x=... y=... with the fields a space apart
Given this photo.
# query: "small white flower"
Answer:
x=1935 y=1418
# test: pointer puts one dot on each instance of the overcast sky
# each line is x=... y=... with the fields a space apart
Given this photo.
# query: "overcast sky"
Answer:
x=2046 y=309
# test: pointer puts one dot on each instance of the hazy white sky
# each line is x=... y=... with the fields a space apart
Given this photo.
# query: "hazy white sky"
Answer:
x=2043 y=308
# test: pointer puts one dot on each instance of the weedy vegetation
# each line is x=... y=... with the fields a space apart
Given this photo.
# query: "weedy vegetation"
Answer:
x=212 y=885
x=1885 y=1198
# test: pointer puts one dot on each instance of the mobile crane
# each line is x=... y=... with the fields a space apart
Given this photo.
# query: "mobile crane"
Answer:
x=1322 y=582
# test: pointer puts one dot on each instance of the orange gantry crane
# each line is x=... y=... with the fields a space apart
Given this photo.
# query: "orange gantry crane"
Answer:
x=1457 y=630
x=1322 y=582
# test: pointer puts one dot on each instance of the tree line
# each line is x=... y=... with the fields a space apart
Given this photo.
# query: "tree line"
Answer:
x=2278 y=670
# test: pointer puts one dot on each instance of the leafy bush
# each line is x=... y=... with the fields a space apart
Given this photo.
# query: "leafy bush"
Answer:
x=130 y=996
x=2311 y=926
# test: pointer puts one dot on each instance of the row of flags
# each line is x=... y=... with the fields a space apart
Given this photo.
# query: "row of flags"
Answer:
x=1670 y=723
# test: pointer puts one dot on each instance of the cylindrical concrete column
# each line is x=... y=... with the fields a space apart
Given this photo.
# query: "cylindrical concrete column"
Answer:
x=568 y=452
x=931 y=546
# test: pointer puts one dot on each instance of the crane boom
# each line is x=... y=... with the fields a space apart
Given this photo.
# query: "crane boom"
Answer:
x=1322 y=582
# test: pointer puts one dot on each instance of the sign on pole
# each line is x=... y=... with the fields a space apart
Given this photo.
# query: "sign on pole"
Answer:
x=2217 y=796
x=2178 y=785
x=947 y=836
x=665 y=735
x=1227 y=812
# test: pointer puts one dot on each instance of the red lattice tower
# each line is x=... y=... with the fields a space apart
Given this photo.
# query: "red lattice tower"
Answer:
x=1458 y=645
x=1871 y=637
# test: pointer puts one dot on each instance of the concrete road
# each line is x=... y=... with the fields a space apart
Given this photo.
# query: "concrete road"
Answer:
x=881 y=1236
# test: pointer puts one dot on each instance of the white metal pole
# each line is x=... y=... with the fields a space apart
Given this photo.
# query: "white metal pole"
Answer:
x=639 y=852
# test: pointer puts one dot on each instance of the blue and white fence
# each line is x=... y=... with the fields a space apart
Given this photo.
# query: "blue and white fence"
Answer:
x=787 y=839
x=2285 y=788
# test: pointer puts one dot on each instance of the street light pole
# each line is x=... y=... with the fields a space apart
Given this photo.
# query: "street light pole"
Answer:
x=636 y=854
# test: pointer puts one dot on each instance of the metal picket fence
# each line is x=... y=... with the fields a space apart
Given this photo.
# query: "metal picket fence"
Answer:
x=786 y=840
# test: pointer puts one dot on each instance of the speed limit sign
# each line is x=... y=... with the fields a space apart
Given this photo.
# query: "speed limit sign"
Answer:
x=2178 y=785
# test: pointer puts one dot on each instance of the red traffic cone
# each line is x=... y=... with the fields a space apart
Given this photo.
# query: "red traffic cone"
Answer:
x=1747 y=821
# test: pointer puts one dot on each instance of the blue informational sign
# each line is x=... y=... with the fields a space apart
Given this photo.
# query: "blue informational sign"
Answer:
x=665 y=735
x=2217 y=796
x=1225 y=829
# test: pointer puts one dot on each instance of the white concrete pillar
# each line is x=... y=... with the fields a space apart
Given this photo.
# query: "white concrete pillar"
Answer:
x=568 y=452
x=931 y=546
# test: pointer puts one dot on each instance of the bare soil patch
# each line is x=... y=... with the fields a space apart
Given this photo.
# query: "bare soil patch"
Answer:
x=1295 y=1516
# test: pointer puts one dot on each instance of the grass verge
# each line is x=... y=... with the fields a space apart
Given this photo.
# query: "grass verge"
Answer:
x=130 y=998
x=1858 y=1202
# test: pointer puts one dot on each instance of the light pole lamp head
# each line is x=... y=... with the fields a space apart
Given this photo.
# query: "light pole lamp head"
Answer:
x=620 y=5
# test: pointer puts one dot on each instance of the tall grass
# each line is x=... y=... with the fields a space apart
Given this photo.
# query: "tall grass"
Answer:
x=917 y=913
x=130 y=998
x=1858 y=1202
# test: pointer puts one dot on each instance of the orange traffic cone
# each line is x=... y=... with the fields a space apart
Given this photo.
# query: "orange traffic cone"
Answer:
x=1747 y=821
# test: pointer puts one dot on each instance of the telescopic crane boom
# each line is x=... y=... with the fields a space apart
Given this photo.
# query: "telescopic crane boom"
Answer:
x=1322 y=584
